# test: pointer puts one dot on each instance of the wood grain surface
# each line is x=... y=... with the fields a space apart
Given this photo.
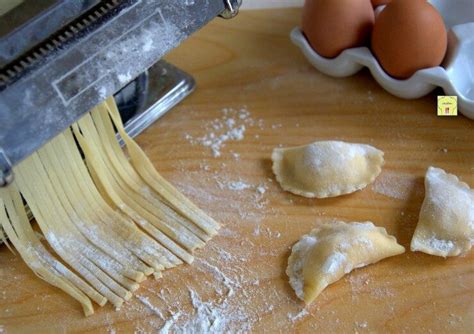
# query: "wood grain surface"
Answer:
x=247 y=70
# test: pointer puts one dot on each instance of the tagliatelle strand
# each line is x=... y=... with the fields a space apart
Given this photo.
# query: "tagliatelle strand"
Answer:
x=106 y=219
x=148 y=172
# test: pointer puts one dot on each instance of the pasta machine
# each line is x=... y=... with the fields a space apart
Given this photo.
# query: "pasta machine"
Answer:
x=59 y=58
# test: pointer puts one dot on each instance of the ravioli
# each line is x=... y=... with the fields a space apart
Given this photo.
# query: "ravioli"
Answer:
x=332 y=250
x=446 y=222
x=326 y=168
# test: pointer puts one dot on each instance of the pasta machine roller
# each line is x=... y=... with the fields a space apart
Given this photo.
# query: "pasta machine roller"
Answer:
x=59 y=58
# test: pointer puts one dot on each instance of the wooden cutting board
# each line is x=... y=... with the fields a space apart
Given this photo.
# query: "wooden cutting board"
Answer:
x=255 y=92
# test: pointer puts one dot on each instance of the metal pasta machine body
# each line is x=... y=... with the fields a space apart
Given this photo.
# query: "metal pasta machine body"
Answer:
x=59 y=58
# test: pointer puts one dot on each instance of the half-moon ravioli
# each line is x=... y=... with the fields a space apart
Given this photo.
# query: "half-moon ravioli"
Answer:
x=326 y=168
x=446 y=222
x=332 y=250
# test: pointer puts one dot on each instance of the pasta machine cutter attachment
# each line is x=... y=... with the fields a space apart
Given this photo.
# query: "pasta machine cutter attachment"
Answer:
x=60 y=58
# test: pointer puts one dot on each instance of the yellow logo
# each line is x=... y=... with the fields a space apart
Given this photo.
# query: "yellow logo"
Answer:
x=447 y=105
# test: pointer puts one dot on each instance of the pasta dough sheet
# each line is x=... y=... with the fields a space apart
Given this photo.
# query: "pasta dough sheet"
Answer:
x=112 y=220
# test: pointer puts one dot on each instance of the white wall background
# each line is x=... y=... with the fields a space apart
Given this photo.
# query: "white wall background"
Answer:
x=256 y=4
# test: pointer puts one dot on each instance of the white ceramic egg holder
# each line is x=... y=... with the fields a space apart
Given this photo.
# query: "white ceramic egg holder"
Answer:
x=455 y=76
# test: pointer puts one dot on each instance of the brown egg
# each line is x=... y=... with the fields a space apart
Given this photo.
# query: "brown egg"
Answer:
x=376 y=3
x=408 y=35
x=331 y=26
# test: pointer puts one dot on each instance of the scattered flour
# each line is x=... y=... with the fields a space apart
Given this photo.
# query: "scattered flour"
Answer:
x=370 y=96
x=234 y=185
x=102 y=92
x=362 y=324
x=231 y=311
x=359 y=282
x=261 y=189
x=148 y=45
x=169 y=323
x=454 y=319
x=300 y=315
x=258 y=191
x=230 y=284
x=382 y=293
x=231 y=126
x=124 y=78
x=145 y=301
x=394 y=185
x=439 y=244
x=361 y=285
x=207 y=318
